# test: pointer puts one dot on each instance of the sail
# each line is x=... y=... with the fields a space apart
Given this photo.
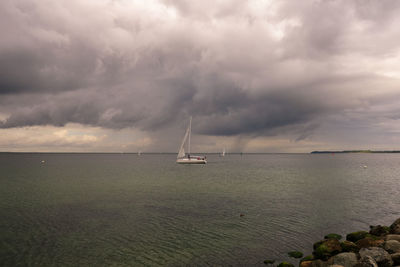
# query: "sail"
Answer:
x=181 y=152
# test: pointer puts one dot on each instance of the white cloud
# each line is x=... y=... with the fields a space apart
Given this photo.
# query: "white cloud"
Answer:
x=71 y=138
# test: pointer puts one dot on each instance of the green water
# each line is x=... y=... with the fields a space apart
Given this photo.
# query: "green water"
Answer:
x=126 y=210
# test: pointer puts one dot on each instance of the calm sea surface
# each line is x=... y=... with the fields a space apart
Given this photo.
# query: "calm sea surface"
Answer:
x=126 y=210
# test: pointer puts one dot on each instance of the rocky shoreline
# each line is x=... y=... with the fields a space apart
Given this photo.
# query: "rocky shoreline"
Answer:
x=380 y=246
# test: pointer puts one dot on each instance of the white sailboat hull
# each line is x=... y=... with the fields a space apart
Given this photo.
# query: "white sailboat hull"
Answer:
x=192 y=160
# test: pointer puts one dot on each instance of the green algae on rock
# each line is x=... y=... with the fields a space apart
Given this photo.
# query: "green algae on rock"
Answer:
x=333 y=236
x=269 y=261
x=285 y=264
x=355 y=236
x=295 y=254
x=348 y=246
x=307 y=258
x=379 y=230
x=327 y=249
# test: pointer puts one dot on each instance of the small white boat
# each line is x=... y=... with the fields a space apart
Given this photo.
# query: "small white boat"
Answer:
x=182 y=158
x=223 y=153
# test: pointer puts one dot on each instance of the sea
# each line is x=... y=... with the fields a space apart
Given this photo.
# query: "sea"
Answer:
x=60 y=209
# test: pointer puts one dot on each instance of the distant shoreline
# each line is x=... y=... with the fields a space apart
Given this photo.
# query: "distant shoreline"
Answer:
x=356 y=151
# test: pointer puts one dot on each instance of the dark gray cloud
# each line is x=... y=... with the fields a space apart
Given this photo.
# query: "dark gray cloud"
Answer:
x=240 y=68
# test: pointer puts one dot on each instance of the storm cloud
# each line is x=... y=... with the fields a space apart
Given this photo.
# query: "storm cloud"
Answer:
x=240 y=68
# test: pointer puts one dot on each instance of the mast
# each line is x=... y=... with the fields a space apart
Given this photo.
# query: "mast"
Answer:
x=190 y=132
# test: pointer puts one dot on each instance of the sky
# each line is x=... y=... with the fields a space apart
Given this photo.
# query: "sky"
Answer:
x=256 y=75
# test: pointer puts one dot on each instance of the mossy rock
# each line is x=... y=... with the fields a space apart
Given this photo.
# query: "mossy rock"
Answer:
x=285 y=264
x=269 y=261
x=348 y=246
x=387 y=229
x=307 y=258
x=355 y=236
x=327 y=249
x=295 y=254
x=395 y=227
x=333 y=236
x=379 y=230
x=373 y=237
x=368 y=242
x=321 y=252
x=317 y=244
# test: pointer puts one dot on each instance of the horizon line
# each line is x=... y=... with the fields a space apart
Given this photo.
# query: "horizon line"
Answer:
x=365 y=151
x=141 y=152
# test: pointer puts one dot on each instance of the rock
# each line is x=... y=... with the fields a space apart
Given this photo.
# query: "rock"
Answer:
x=393 y=237
x=348 y=246
x=346 y=259
x=327 y=249
x=379 y=230
x=333 y=236
x=285 y=264
x=396 y=258
x=395 y=227
x=392 y=246
x=295 y=254
x=380 y=256
x=305 y=264
x=307 y=258
x=319 y=263
x=367 y=261
x=355 y=236
x=269 y=261
x=369 y=242
x=317 y=244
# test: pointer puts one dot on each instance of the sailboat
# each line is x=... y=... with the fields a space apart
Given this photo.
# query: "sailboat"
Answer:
x=182 y=158
x=223 y=153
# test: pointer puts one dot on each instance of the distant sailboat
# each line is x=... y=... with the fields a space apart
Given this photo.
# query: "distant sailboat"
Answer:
x=223 y=153
x=139 y=153
x=189 y=159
